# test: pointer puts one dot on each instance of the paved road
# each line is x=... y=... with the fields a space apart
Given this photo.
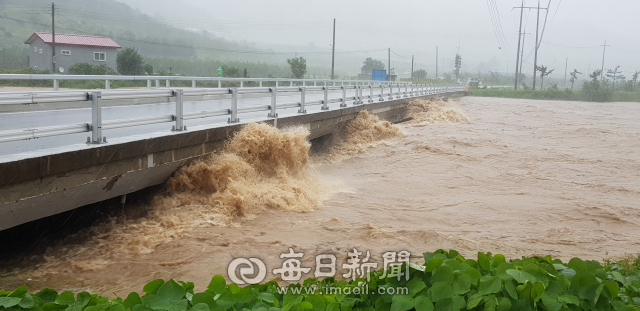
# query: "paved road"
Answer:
x=10 y=121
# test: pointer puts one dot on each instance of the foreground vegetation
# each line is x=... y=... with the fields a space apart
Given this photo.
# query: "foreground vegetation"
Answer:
x=447 y=281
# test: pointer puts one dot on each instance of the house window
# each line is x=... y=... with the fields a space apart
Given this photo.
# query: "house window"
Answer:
x=99 y=56
x=66 y=52
x=40 y=51
x=35 y=49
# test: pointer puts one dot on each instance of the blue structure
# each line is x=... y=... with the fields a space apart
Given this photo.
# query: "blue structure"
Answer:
x=378 y=75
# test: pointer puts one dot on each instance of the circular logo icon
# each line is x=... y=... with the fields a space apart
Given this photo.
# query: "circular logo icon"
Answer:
x=247 y=271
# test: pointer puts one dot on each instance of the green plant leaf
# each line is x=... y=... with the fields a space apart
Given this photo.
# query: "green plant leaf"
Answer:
x=132 y=300
x=423 y=303
x=521 y=276
x=152 y=286
x=415 y=285
x=440 y=291
x=200 y=307
x=483 y=262
x=489 y=285
x=443 y=274
x=474 y=301
x=511 y=289
x=47 y=295
x=505 y=304
x=433 y=263
x=217 y=284
x=402 y=303
x=462 y=285
x=205 y=298
x=65 y=299
x=8 y=302
x=537 y=289
x=268 y=297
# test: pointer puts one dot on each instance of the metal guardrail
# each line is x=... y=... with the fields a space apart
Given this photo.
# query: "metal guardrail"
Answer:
x=382 y=92
x=108 y=78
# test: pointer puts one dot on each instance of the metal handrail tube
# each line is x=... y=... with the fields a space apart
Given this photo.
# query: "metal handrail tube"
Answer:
x=206 y=114
x=45 y=131
x=120 y=123
x=289 y=105
x=254 y=108
x=314 y=103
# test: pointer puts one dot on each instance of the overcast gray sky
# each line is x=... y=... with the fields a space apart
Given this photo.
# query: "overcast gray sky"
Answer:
x=575 y=29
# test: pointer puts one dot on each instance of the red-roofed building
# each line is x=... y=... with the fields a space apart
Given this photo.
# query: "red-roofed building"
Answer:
x=71 y=49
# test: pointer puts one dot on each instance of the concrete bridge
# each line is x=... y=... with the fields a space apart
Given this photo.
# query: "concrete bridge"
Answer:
x=58 y=172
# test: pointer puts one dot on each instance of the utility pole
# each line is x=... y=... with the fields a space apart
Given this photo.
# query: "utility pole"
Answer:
x=603 y=53
x=518 y=52
x=389 y=59
x=333 y=49
x=566 y=66
x=436 y=63
x=53 y=37
x=535 y=59
x=411 y=67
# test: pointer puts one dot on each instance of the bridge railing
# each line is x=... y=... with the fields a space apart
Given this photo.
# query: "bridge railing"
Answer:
x=380 y=92
x=194 y=80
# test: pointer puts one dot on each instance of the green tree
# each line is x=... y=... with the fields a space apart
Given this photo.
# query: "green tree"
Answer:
x=369 y=64
x=298 y=67
x=574 y=77
x=615 y=74
x=87 y=69
x=596 y=90
x=544 y=71
x=245 y=73
x=231 y=72
x=129 y=62
x=420 y=74
x=148 y=69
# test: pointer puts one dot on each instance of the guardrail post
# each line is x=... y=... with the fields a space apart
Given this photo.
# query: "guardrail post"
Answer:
x=273 y=113
x=148 y=84
x=355 y=97
x=56 y=86
x=303 y=91
x=291 y=83
x=344 y=97
x=96 y=119
x=405 y=90
x=370 y=93
x=168 y=83
x=193 y=84
x=219 y=84
x=390 y=91
x=107 y=85
x=241 y=83
x=399 y=91
x=260 y=83
x=276 y=83
x=325 y=102
x=381 y=92
x=304 y=83
x=234 y=106
x=179 y=111
x=315 y=83
x=157 y=84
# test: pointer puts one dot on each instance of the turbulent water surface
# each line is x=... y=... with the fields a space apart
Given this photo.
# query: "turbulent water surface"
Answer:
x=516 y=177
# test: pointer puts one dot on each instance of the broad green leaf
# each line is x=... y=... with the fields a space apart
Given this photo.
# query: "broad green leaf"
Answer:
x=484 y=262
x=26 y=302
x=306 y=305
x=440 y=291
x=268 y=297
x=618 y=277
x=521 y=276
x=613 y=288
x=20 y=292
x=333 y=307
x=47 y=295
x=65 y=299
x=217 y=284
x=489 y=285
x=551 y=302
x=443 y=274
x=592 y=293
x=205 y=298
x=474 y=301
x=462 y=285
x=490 y=303
x=9 y=302
x=423 y=303
x=171 y=291
x=511 y=289
x=152 y=286
x=505 y=304
x=245 y=294
x=498 y=259
x=474 y=274
x=200 y=307
x=318 y=302
x=577 y=264
x=226 y=300
x=402 y=303
x=458 y=303
x=433 y=263
x=415 y=285
x=537 y=289
x=444 y=305
x=132 y=300
x=581 y=281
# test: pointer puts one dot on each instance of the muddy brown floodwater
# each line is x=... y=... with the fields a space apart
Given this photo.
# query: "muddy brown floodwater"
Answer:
x=517 y=177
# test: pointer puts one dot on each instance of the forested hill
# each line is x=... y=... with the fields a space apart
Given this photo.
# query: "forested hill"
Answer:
x=127 y=26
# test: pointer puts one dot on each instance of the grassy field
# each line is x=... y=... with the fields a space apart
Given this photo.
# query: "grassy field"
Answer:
x=549 y=94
